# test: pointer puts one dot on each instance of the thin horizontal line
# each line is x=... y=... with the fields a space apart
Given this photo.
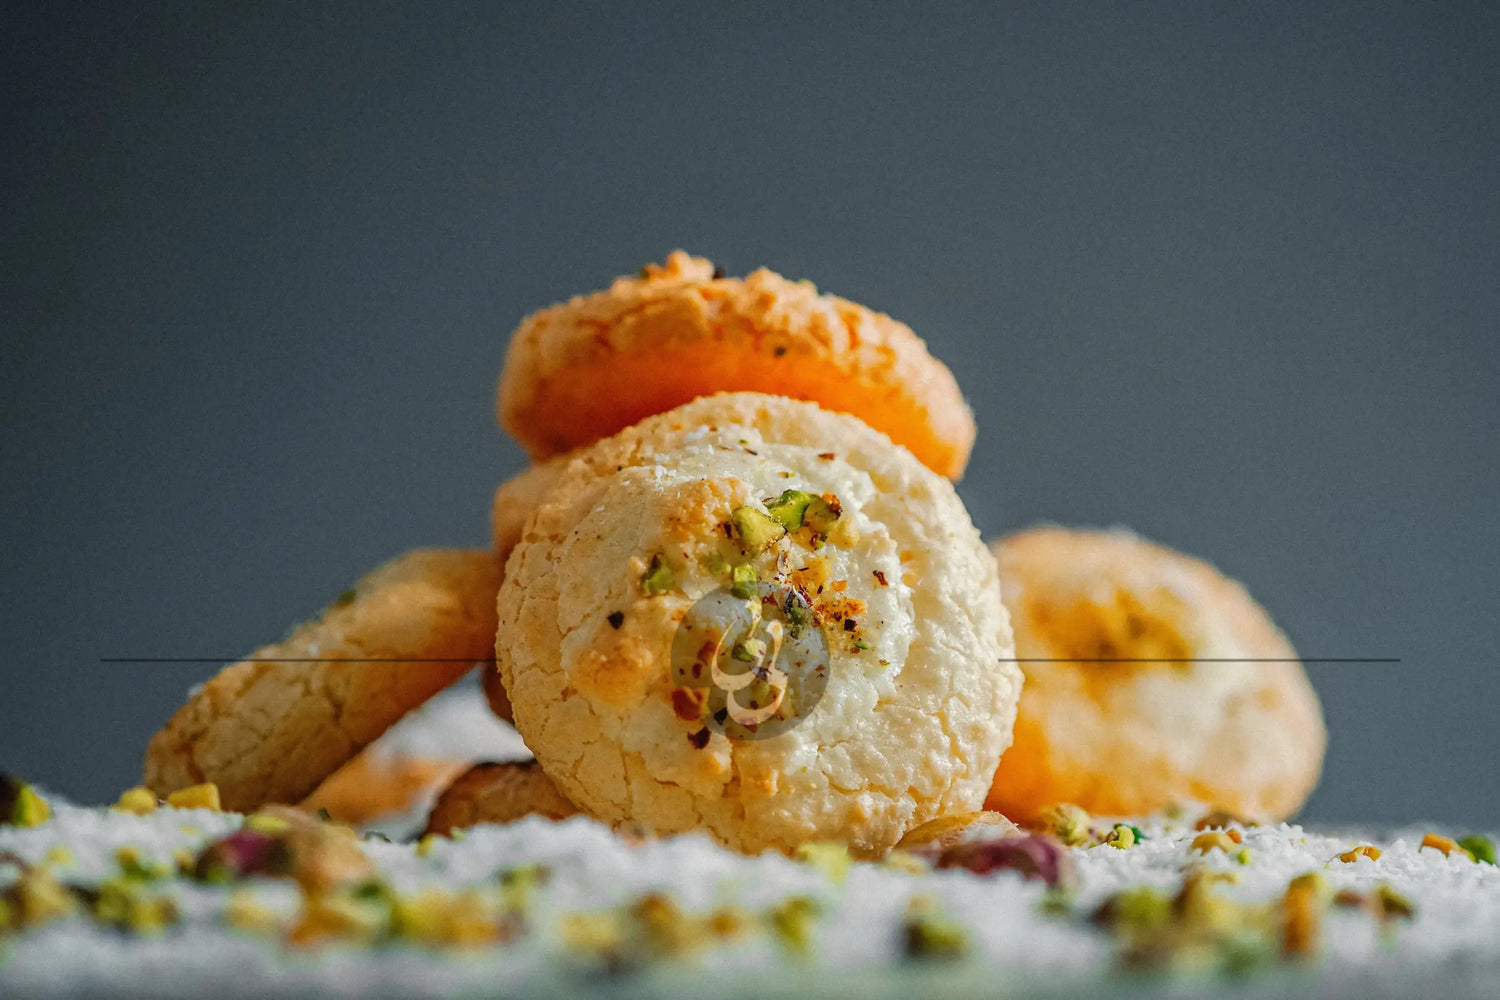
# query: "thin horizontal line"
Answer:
x=491 y=659
x=297 y=659
x=1205 y=659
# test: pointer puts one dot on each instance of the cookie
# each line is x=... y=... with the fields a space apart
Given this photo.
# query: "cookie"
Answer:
x=516 y=499
x=494 y=693
x=589 y=367
x=371 y=786
x=936 y=836
x=271 y=727
x=497 y=793
x=1131 y=738
x=756 y=617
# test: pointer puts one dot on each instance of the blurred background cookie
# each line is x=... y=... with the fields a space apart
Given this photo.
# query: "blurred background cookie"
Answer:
x=491 y=792
x=273 y=726
x=1131 y=738
x=755 y=616
x=589 y=367
x=391 y=784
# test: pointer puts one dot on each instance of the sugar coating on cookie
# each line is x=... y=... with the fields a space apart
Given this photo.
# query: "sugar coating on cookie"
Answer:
x=589 y=367
x=271 y=727
x=824 y=533
x=1131 y=738
x=497 y=793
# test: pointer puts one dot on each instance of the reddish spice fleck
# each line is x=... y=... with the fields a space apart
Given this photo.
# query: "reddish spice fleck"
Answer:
x=688 y=703
x=880 y=579
x=827 y=456
x=699 y=740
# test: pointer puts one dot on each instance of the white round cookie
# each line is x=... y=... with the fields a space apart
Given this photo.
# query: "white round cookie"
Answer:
x=920 y=695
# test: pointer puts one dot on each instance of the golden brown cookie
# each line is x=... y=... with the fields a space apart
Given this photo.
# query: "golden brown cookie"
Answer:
x=371 y=786
x=497 y=793
x=494 y=692
x=273 y=726
x=958 y=828
x=1130 y=738
x=594 y=365
x=516 y=499
x=859 y=683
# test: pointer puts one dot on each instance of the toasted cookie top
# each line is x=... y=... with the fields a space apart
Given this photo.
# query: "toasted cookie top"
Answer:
x=758 y=617
x=589 y=367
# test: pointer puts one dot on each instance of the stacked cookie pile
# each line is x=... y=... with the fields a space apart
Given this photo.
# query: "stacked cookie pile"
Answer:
x=737 y=593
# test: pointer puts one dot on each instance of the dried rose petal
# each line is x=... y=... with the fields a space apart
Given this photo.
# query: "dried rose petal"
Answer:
x=1036 y=857
x=242 y=853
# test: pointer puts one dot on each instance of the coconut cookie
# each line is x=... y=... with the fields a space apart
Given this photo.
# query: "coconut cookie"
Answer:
x=497 y=793
x=1131 y=738
x=756 y=617
x=271 y=727
x=515 y=499
x=592 y=366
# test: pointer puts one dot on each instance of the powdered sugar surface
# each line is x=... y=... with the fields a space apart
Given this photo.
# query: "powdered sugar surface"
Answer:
x=1452 y=947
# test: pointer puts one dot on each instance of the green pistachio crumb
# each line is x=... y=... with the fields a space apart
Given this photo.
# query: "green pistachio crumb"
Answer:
x=749 y=651
x=1136 y=911
x=658 y=577
x=122 y=904
x=930 y=935
x=714 y=563
x=821 y=516
x=789 y=509
x=1482 y=848
x=829 y=857
x=1390 y=904
x=792 y=922
x=796 y=612
x=133 y=867
x=518 y=886
x=1067 y=822
x=30 y=809
x=743 y=579
x=756 y=530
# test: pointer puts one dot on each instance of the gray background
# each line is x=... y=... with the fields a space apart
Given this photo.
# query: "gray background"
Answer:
x=1225 y=273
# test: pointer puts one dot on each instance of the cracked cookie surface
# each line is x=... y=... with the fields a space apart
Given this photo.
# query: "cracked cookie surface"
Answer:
x=589 y=367
x=1127 y=738
x=919 y=695
x=271 y=727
